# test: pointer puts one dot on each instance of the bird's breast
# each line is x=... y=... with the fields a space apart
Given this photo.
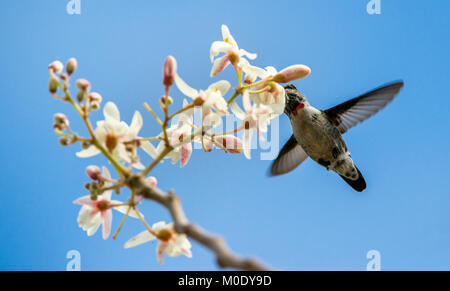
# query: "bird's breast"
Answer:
x=318 y=137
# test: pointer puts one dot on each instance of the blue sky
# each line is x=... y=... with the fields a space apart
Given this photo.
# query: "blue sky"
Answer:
x=307 y=220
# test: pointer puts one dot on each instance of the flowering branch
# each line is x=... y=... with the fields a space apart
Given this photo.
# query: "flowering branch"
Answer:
x=119 y=142
x=225 y=258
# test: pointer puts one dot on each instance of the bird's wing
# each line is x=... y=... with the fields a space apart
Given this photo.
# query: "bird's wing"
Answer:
x=289 y=158
x=356 y=110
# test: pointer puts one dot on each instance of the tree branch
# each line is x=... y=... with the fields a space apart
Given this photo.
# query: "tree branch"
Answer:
x=225 y=258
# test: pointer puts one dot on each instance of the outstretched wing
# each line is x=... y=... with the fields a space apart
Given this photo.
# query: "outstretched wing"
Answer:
x=289 y=158
x=356 y=110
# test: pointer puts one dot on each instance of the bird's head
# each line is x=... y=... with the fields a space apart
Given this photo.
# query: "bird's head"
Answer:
x=295 y=101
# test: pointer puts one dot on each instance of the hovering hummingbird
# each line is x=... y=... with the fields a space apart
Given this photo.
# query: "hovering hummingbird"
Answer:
x=318 y=133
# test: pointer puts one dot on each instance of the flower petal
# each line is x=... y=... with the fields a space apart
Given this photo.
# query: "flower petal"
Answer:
x=186 y=151
x=246 y=102
x=92 y=230
x=237 y=110
x=141 y=238
x=136 y=124
x=212 y=120
x=124 y=208
x=89 y=152
x=107 y=221
x=245 y=53
x=180 y=246
x=227 y=37
x=160 y=250
x=157 y=226
x=85 y=200
x=111 y=112
x=185 y=88
x=150 y=149
x=252 y=72
x=219 y=65
x=222 y=86
x=248 y=133
x=230 y=143
x=219 y=47
x=139 y=166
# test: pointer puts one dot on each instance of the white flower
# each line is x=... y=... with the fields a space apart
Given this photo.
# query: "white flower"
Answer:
x=232 y=52
x=169 y=241
x=94 y=213
x=272 y=94
x=112 y=133
x=179 y=132
x=256 y=116
x=211 y=98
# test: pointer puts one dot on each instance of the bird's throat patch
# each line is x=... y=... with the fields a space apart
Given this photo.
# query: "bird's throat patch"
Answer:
x=299 y=106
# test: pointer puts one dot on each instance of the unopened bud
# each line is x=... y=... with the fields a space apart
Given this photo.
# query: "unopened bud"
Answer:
x=130 y=147
x=64 y=141
x=93 y=172
x=85 y=145
x=111 y=142
x=95 y=97
x=56 y=67
x=169 y=71
x=233 y=57
x=64 y=76
x=94 y=195
x=53 y=85
x=162 y=101
x=83 y=85
x=81 y=95
x=71 y=66
x=95 y=106
x=292 y=73
x=61 y=121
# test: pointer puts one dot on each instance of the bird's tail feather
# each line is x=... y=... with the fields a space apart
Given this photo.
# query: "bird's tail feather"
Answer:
x=358 y=184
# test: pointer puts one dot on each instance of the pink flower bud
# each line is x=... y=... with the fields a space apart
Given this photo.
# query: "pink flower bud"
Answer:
x=93 y=172
x=71 y=66
x=95 y=97
x=292 y=73
x=95 y=105
x=56 y=67
x=61 y=121
x=83 y=85
x=169 y=71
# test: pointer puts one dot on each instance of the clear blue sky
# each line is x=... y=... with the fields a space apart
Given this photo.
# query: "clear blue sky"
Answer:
x=309 y=219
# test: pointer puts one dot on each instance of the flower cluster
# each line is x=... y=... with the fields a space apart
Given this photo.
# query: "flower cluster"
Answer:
x=263 y=98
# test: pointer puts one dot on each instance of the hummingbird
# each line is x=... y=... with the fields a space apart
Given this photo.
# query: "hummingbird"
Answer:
x=318 y=133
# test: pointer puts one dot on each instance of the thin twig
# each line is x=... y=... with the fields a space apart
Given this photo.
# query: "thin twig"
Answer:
x=225 y=258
